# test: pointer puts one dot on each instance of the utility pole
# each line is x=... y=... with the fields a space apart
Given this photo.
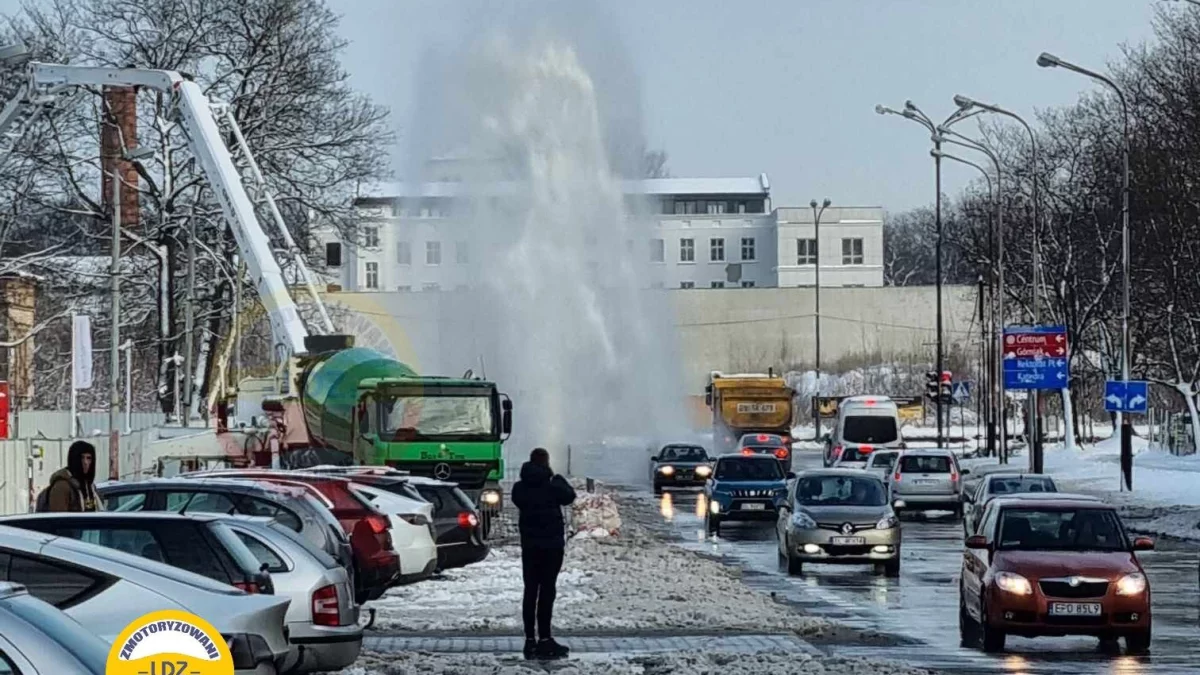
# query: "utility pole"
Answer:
x=817 y=302
x=937 y=169
x=128 y=349
x=114 y=351
x=185 y=406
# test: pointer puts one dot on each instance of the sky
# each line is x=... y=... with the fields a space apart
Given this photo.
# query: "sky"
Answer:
x=789 y=87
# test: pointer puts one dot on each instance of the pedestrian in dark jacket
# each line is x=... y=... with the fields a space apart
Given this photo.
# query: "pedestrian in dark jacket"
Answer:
x=540 y=496
x=73 y=488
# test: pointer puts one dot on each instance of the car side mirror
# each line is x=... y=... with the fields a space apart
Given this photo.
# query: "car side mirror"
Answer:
x=654 y=458
x=791 y=475
x=965 y=472
x=506 y=420
x=977 y=541
x=1143 y=544
x=899 y=504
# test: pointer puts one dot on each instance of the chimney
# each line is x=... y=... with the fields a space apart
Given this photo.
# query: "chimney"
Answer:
x=119 y=125
x=19 y=295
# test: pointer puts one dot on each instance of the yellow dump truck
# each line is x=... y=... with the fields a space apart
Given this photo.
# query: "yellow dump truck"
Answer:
x=745 y=404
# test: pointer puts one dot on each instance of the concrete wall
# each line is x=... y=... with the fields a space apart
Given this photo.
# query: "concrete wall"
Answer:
x=731 y=329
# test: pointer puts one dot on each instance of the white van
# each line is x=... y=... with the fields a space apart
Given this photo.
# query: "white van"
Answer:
x=864 y=424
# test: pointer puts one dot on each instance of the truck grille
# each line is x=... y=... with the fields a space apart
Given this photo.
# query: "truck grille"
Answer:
x=468 y=475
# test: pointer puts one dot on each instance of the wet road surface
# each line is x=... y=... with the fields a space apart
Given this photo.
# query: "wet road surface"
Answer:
x=921 y=607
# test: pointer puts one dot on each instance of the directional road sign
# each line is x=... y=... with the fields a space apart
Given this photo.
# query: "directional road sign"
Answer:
x=1035 y=357
x=1126 y=397
x=962 y=392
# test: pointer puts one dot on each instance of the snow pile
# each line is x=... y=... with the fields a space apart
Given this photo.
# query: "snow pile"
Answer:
x=693 y=663
x=594 y=515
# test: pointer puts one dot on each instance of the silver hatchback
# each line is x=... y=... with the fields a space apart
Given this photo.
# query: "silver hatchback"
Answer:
x=928 y=480
x=37 y=639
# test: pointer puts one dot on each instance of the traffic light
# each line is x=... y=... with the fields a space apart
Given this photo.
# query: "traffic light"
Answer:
x=931 y=385
x=947 y=387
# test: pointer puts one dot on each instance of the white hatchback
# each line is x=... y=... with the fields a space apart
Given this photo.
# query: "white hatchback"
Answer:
x=413 y=535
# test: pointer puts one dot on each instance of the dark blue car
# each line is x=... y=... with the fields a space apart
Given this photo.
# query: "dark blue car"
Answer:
x=745 y=488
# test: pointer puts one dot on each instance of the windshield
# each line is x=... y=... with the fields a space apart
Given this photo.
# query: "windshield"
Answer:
x=683 y=453
x=1061 y=530
x=1005 y=486
x=424 y=417
x=925 y=464
x=749 y=469
x=853 y=454
x=840 y=491
x=869 y=429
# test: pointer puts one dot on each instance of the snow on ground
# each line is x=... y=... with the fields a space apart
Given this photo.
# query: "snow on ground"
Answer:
x=693 y=663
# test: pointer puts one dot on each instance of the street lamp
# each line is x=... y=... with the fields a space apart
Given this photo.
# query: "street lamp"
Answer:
x=912 y=112
x=1047 y=60
x=1033 y=432
x=817 y=315
x=997 y=393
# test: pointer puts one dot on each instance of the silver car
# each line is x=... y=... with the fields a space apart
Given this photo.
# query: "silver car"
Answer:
x=37 y=639
x=928 y=480
x=839 y=516
x=322 y=618
x=105 y=590
x=881 y=463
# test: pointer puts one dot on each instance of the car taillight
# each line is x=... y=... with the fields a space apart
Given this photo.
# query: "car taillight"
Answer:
x=325 y=606
x=747 y=451
x=837 y=451
x=896 y=477
x=248 y=586
x=953 y=476
x=379 y=524
x=467 y=520
x=781 y=453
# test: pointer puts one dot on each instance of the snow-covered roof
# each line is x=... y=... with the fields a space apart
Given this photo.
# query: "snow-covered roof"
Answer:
x=758 y=186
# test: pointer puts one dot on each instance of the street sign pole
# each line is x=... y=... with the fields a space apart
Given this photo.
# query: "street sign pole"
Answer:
x=1125 y=398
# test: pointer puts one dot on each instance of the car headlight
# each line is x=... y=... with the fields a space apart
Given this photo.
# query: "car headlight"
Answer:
x=803 y=521
x=714 y=506
x=1013 y=583
x=1132 y=584
x=666 y=470
x=887 y=522
x=704 y=471
x=490 y=497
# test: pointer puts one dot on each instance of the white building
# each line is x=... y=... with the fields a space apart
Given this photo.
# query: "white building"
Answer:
x=698 y=233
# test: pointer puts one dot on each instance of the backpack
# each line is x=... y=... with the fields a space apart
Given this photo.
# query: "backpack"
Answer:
x=43 y=501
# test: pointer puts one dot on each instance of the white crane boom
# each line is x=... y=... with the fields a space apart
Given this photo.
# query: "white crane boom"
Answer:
x=196 y=117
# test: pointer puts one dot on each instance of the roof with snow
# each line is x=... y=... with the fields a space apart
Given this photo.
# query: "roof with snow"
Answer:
x=757 y=186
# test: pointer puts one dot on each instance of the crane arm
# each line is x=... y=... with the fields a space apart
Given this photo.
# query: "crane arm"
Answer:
x=196 y=118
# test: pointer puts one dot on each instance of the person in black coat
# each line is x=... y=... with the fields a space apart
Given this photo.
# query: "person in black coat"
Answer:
x=540 y=496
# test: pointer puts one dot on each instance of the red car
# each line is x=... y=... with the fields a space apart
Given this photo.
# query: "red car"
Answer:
x=1053 y=566
x=376 y=563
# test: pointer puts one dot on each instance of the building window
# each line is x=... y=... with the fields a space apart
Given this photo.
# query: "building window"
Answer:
x=741 y=207
x=372 y=275
x=433 y=253
x=333 y=254
x=748 y=249
x=371 y=237
x=460 y=253
x=687 y=250
x=806 y=251
x=431 y=287
x=657 y=250
x=852 y=251
x=404 y=288
x=716 y=249
x=716 y=208
x=717 y=284
x=668 y=206
x=687 y=284
x=403 y=253
x=747 y=284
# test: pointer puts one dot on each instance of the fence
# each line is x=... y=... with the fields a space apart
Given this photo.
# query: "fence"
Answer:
x=57 y=423
x=1172 y=431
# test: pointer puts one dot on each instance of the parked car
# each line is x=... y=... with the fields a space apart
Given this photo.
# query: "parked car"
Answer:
x=413 y=536
x=322 y=618
x=198 y=543
x=105 y=590
x=459 y=527
x=37 y=639
x=928 y=480
x=745 y=488
x=299 y=507
x=376 y=564
x=1000 y=485
x=679 y=465
x=1048 y=567
x=864 y=422
x=780 y=447
x=838 y=516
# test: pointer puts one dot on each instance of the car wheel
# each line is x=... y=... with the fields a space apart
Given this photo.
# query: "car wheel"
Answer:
x=713 y=524
x=968 y=630
x=958 y=514
x=1138 y=643
x=657 y=490
x=794 y=567
x=891 y=568
x=992 y=640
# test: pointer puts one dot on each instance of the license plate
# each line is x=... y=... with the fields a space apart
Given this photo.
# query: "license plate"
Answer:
x=754 y=507
x=1075 y=609
x=752 y=408
x=926 y=482
x=847 y=541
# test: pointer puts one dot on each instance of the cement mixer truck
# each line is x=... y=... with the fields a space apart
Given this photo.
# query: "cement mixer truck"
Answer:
x=329 y=397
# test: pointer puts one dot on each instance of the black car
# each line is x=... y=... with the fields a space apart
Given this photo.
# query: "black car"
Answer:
x=679 y=465
x=198 y=543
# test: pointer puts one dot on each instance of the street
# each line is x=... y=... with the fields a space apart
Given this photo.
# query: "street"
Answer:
x=919 y=610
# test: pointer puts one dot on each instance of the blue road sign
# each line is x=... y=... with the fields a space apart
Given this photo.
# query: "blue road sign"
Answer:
x=1126 y=397
x=1035 y=357
x=961 y=392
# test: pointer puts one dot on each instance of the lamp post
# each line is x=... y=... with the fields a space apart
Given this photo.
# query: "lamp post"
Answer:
x=912 y=112
x=817 y=306
x=1046 y=60
x=1033 y=430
